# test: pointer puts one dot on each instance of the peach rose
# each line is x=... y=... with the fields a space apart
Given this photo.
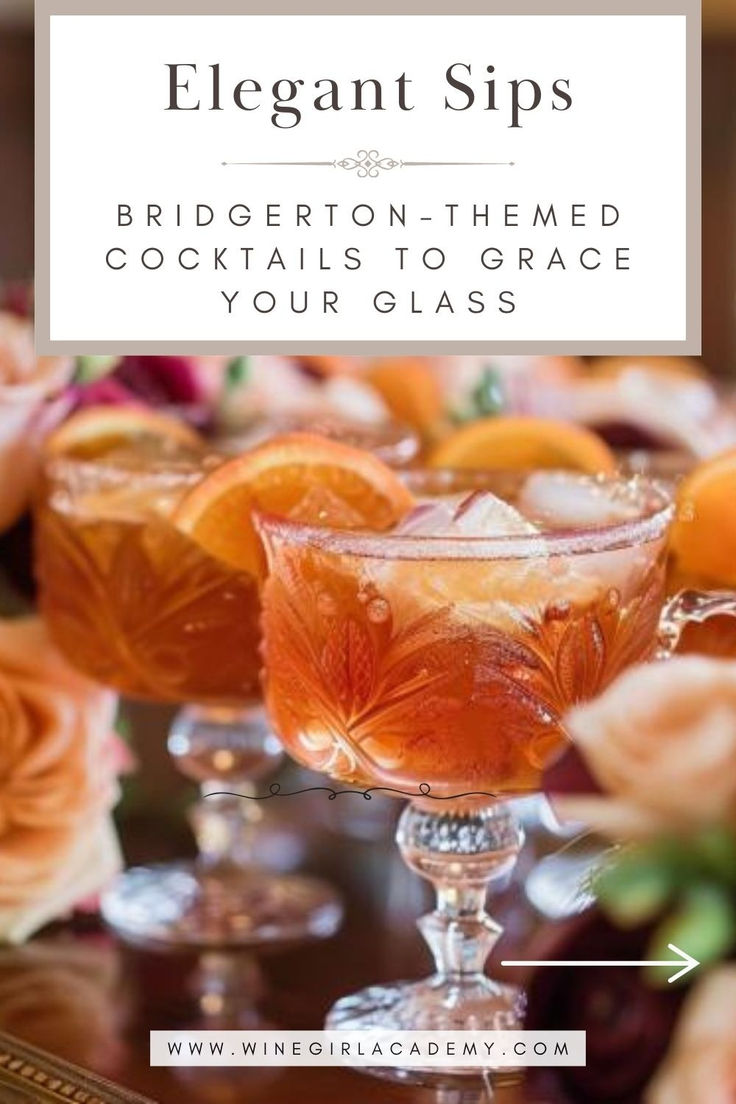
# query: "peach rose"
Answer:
x=661 y=743
x=25 y=383
x=701 y=1063
x=57 y=782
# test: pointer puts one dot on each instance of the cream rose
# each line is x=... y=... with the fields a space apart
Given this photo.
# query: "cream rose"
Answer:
x=701 y=1063
x=661 y=743
x=57 y=782
x=25 y=383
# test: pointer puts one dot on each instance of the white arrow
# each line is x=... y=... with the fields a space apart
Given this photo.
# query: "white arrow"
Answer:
x=690 y=963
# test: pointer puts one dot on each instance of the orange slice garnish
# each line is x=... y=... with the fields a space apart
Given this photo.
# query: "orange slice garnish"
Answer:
x=524 y=442
x=410 y=390
x=703 y=534
x=308 y=478
x=97 y=430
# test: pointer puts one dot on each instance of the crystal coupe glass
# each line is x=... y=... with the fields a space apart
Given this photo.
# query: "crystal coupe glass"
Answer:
x=438 y=662
x=139 y=606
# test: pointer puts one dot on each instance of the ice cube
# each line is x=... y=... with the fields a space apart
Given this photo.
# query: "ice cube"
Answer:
x=479 y=588
x=430 y=519
x=482 y=585
x=469 y=514
x=564 y=500
x=482 y=514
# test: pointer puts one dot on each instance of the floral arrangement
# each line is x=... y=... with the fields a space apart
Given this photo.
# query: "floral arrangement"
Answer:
x=653 y=768
x=37 y=393
x=26 y=386
x=59 y=762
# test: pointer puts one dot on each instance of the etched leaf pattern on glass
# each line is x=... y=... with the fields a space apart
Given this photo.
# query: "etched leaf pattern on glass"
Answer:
x=141 y=608
x=368 y=693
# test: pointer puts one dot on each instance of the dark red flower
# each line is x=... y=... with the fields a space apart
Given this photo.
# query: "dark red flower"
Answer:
x=161 y=381
x=569 y=774
x=17 y=298
x=628 y=1024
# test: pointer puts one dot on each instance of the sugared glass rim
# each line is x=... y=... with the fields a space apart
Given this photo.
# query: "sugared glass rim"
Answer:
x=651 y=526
x=392 y=441
x=169 y=470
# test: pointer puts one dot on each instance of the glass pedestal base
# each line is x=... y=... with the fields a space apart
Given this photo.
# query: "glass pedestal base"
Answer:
x=181 y=905
x=436 y=1004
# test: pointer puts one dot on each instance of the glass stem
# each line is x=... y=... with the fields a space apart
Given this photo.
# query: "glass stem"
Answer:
x=464 y=851
x=459 y=933
x=225 y=825
x=224 y=750
x=227 y=987
x=465 y=1096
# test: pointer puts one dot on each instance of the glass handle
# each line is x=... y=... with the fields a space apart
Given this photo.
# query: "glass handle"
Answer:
x=690 y=606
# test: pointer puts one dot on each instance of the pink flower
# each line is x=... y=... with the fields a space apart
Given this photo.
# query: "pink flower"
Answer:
x=701 y=1063
x=188 y=386
x=57 y=782
x=26 y=383
x=661 y=744
x=106 y=391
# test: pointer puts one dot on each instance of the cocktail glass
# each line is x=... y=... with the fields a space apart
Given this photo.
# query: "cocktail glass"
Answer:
x=139 y=606
x=398 y=445
x=440 y=665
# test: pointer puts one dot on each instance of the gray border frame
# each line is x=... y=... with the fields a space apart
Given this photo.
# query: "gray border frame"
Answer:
x=691 y=345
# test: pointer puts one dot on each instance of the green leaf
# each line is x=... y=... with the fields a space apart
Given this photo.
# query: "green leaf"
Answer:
x=88 y=368
x=635 y=888
x=123 y=726
x=703 y=924
x=238 y=370
x=485 y=400
x=488 y=396
x=715 y=852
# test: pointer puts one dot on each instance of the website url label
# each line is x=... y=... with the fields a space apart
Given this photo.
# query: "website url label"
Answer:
x=446 y=1049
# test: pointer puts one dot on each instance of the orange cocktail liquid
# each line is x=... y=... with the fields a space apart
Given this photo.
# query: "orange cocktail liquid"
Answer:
x=132 y=601
x=454 y=673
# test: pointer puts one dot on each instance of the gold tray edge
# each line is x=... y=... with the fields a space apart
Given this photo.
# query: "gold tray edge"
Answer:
x=31 y=1070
